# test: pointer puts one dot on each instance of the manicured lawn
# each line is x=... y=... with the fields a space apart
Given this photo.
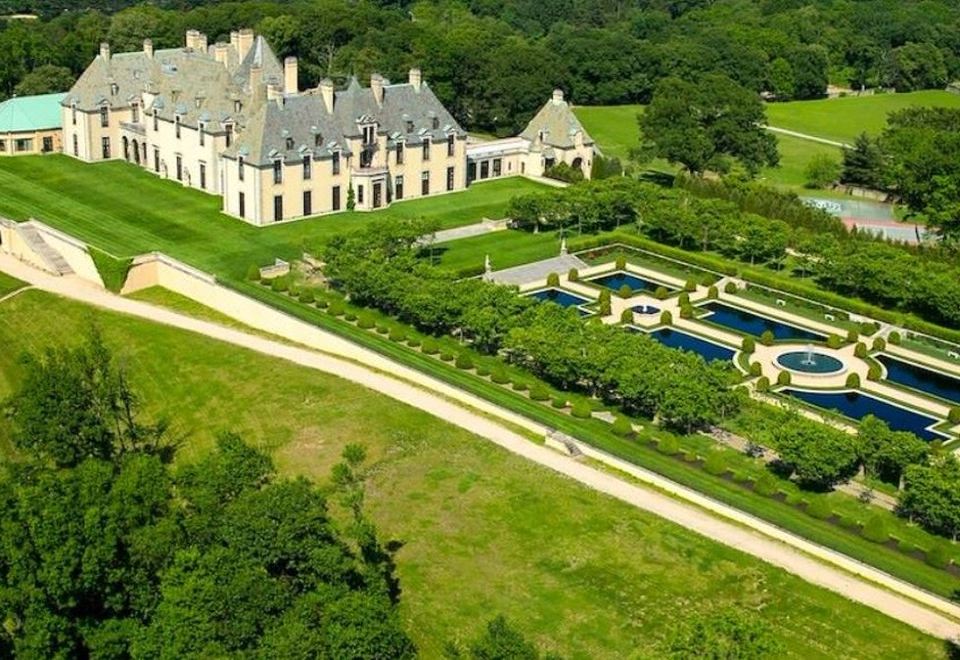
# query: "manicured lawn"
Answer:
x=126 y=211
x=795 y=154
x=614 y=127
x=506 y=248
x=843 y=119
x=9 y=284
x=482 y=531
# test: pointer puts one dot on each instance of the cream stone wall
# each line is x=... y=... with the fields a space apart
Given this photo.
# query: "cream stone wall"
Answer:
x=73 y=251
x=36 y=137
x=188 y=147
x=89 y=132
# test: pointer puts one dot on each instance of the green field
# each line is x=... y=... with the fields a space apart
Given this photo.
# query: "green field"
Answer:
x=506 y=249
x=842 y=119
x=482 y=531
x=795 y=154
x=138 y=212
x=9 y=284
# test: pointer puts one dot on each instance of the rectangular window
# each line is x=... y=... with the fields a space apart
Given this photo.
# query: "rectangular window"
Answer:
x=450 y=143
x=398 y=187
x=359 y=194
x=277 y=208
x=202 y=132
x=156 y=160
x=105 y=147
x=426 y=148
x=47 y=144
x=497 y=167
x=229 y=129
x=450 y=178
x=179 y=168
x=425 y=183
x=156 y=122
x=243 y=205
x=278 y=171
x=203 y=176
x=307 y=202
x=484 y=169
x=368 y=134
x=335 y=202
x=240 y=168
x=307 y=168
x=335 y=162
x=3 y=146
x=135 y=113
x=104 y=116
x=176 y=127
x=73 y=115
x=76 y=145
x=399 y=153
x=23 y=144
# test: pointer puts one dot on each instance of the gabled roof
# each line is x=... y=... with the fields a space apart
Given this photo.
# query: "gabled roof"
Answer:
x=30 y=113
x=557 y=124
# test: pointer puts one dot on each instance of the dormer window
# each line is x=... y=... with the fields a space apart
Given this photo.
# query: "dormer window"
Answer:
x=237 y=106
x=369 y=134
x=135 y=113
x=318 y=140
x=409 y=126
x=228 y=128
x=289 y=143
x=436 y=123
x=114 y=89
x=156 y=122
x=197 y=101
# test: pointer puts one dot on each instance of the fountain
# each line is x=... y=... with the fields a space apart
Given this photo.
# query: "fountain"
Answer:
x=810 y=362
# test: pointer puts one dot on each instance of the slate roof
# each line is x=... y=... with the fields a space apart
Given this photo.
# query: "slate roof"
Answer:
x=30 y=113
x=302 y=117
x=558 y=123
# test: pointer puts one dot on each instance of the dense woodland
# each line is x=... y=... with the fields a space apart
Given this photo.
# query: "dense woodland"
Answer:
x=493 y=62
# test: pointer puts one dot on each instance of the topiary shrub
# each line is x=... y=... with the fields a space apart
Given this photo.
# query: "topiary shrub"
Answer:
x=604 y=302
x=253 y=272
x=906 y=548
x=873 y=372
x=819 y=508
x=756 y=369
x=626 y=316
x=783 y=378
x=686 y=311
x=766 y=485
x=666 y=318
x=690 y=456
x=716 y=463
x=937 y=556
x=763 y=384
x=397 y=334
x=852 y=335
x=499 y=376
x=519 y=385
x=683 y=298
x=625 y=291
x=661 y=293
x=868 y=328
x=621 y=426
x=293 y=291
x=767 y=338
x=413 y=341
x=364 y=321
x=429 y=346
x=464 y=361
x=860 y=350
x=853 y=380
x=279 y=284
x=322 y=303
x=668 y=445
x=621 y=263
x=539 y=392
x=558 y=402
x=748 y=345
x=876 y=529
x=894 y=338
x=265 y=281
x=382 y=328
x=336 y=308
x=350 y=316
x=834 y=341
x=573 y=275
x=712 y=292
x=580 y=410
x=553 y=279
x=306 y=296
x=445 y=356
x=483 y=370
x=690 y=285
x=730 y=287
x=879 y=344
x=953 y=416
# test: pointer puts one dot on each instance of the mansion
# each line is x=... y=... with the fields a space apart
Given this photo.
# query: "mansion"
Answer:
x=230 y=120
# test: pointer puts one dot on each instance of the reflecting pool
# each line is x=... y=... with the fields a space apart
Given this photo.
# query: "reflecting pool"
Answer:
x=704 y=347
x=617 y=279
x=754 y=324
x=921 y=378
x=562 y=298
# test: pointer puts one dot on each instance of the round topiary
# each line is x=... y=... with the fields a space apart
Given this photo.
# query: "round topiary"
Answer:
x=413 y=341
x=756 y=369
x=819 y=508
x=683 y=298
x=365 y=322
x=621 y=426
x=868 y=328
x=763 y=384
x=397 y=334
x=666 y=318
x=253 y=273
x=553 y=279
x=519 y=385
x=621 y=262
x=953 y=416
x=716 y=463
x=712 y=292
x=686 y=311
x=894 y=338
x=853 y=380
x=464 y=361
x=625 y=291
x=766 y=485
x=668 y=445
x=279 y=284
x=573 y=275
x=293 y=291
x=483 y=370
x=429 y=346
x=382 y=328
x=852 y=335
x=306 y=296
x=350 y=316
x=539 y=392
x=499 y=376
x=767 y=338
x=604 y=302
x=661 y=293
x=937 y=556
x=580 y=410
x=876 y=529
x=860 y=350
x=834 y=341
x=266 y=281
x=626 y=316
x=690 y=285
x=558 y=402
x=783 y=378
x=879 y=344
x=873 y=372
x=336 y=308
x=730 y=287
x=748 y=345
x=445 y=356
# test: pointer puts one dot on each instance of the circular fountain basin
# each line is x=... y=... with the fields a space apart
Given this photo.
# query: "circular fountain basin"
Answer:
x=645 y=309
x=813 y=363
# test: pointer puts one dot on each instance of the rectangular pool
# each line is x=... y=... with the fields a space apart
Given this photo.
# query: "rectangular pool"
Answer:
x=687 y=342
x=754 y=324
x=921 y=378
x=615 y=280
x=857 y=405
x=562 y=298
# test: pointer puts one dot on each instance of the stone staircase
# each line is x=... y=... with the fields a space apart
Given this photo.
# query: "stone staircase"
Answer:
x=52 y=261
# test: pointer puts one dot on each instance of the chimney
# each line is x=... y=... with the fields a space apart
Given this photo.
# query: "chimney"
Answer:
x=104 y=50
x=415 y=78
x=191 y=40
x=220 y=52
x=202 y=43
x=274 y=92
x=148 y=48
x=235 y=41
x=376 y=86
x=290 y=75
x=558 y=96
x=256 y=83
x=244 y=42
x=326 y=91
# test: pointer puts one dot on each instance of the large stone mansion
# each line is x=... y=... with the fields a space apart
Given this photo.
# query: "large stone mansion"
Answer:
x=230 y=119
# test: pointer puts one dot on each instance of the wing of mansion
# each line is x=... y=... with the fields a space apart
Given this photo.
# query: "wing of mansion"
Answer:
x=230 y=120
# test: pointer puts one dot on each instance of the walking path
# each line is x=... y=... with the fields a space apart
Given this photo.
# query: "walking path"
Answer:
x=466 y=231
x=806 y=136
x=698 y=513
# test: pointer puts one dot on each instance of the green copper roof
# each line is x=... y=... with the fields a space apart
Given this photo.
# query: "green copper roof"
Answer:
x=30 y=113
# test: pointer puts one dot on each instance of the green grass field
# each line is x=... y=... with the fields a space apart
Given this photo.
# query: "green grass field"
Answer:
x=506 y=249
x=9 y=284
x=138 y=212
x=795 y=154
x=843 y=119
x=482 y=531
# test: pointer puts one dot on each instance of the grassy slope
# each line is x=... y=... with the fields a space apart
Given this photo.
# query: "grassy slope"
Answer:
x=9 y=284
x=795 y=154
x=844 y=118
x=187 y=224
x=483 y=531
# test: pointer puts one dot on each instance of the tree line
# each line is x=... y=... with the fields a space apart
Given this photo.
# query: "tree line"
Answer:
x=494 y=62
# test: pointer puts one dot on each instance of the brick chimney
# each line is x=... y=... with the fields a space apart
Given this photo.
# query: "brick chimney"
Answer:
x=376 y=86
x=148 y=48
x=244 y=42
x=290 y=73
x=415 y=78
x=326 y=91
x=220 y=50
x=104 y=50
